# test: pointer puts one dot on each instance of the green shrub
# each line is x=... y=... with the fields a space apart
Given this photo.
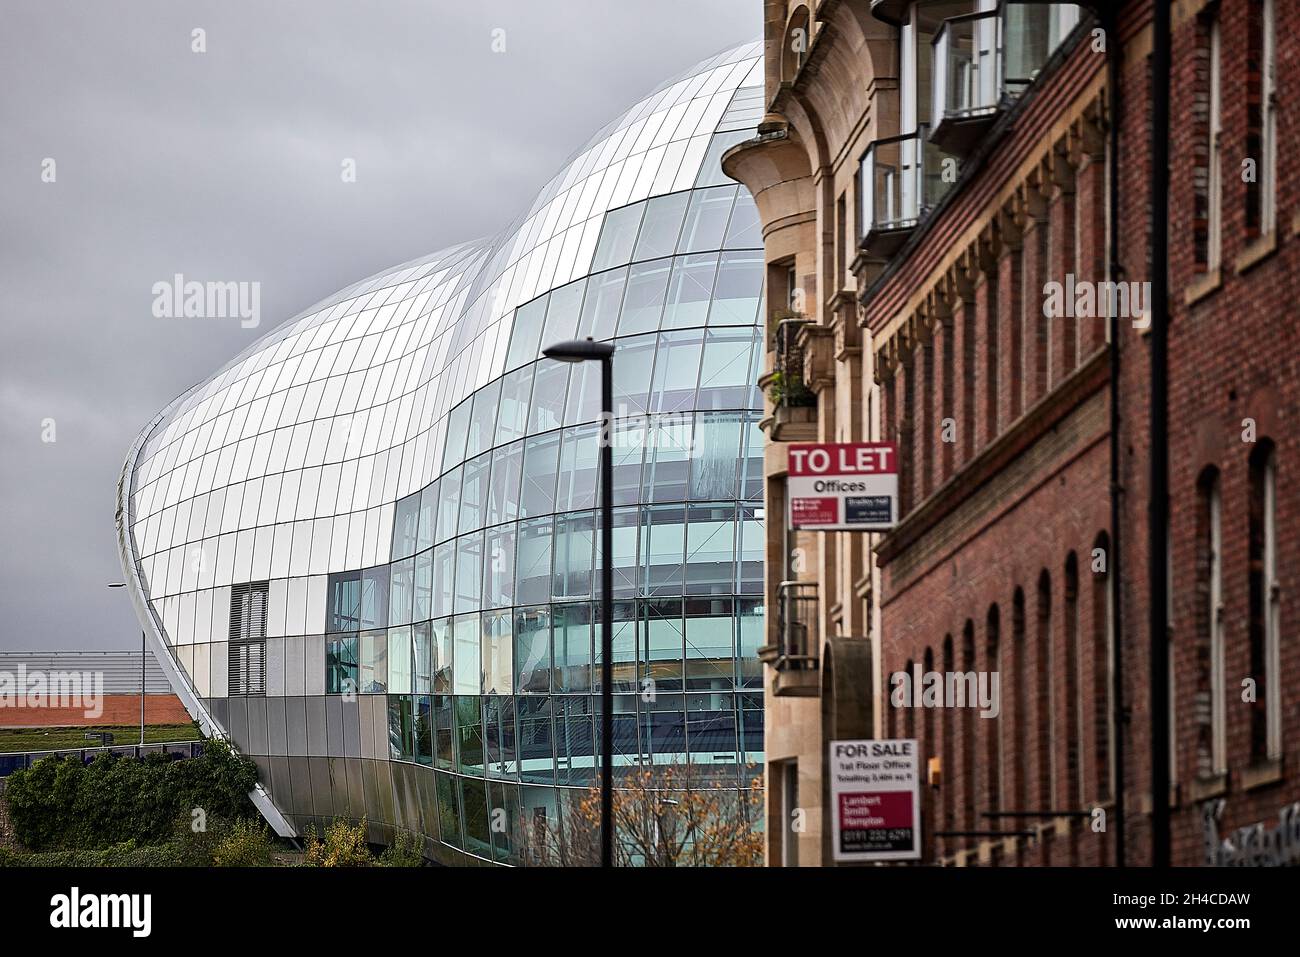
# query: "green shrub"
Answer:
x=407 y=850
x=243 y=843
x=59 y=803
x=344 y=845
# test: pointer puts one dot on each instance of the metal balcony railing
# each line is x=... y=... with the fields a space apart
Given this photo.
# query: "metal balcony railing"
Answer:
x=900 y=181
x=966 y=79
x=797 y=631
x=786 y=387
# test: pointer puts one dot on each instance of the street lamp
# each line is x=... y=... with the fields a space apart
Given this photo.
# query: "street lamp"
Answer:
x=142 y=662
x=586 y=350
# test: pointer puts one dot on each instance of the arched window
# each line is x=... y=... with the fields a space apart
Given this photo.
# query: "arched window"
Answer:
x=1102 y=661
x=949 y=779
x=993 y=727
x=794 y=51
x=1211 y=751
x=1073 y=700
x=1265 y=718
x=1020 y=715
x=969 y=715
x=909 y=712
x=1043 y=689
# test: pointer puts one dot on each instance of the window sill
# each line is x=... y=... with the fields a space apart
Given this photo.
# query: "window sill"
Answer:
x=1203 y=286
x=1204 y=788
x=1262 y=774
x=1254 y=254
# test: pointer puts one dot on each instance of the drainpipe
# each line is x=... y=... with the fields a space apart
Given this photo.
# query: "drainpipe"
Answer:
x=1119 y=713
x=1158 y=501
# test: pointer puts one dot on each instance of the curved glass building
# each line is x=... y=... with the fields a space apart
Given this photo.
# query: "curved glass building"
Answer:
x=366 y=548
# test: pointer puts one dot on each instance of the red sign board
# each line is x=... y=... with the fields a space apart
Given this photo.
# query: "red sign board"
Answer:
x=843 y=486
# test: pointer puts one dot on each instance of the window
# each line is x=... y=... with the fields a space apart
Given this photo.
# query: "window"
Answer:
x=1261 y=119
x=247 y=665
x=1265 y=594
x=1214 y=186
x=1210 y=746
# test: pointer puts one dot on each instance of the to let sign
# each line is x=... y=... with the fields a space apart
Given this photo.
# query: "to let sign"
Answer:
x=843 y=486
x=875 y=800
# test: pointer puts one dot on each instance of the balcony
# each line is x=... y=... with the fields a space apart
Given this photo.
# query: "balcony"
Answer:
x=900 y=181
x=966 y=87
x=794 y=405
x=796 y=655
x=983 y=61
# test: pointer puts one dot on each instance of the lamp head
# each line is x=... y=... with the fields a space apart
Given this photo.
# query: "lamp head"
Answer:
x=579 y=350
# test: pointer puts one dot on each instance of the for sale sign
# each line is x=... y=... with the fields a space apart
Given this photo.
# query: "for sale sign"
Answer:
x=876 y=800
x=843 y=486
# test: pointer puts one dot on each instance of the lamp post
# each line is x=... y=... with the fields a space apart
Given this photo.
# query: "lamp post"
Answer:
x=586 y=350
x=142 y=664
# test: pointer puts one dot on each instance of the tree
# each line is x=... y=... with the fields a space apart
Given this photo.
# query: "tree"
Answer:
x=664 y=817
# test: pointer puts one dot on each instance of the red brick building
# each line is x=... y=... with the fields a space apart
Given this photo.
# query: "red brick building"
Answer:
x=985 y=231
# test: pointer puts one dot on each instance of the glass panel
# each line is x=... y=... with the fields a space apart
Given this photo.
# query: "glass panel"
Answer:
x=739 y=289
x=443 y=580
x=373 y=672
x=710 y=549
x=401 y=592
x=663 y=544
x=469 y=572
x=749 y=639
x=628 y=450
x=549 y=393
x=571 y=637
x=579 y=467
x=499 y=735
x=627 y=522
x=689 y=291
x=533 y=561
x=469 y=735
x=584 y=393
x=423 y=657
x=374 y=597
x=745 y=231
x=516 y=391
x=473 y=492
x=633 y=364
x=342 y=674
x=575 y=740
x=724 y=371
x=715 y=456
x=563 y=312
x=344 y=610
x=467 y=649
x=448 y=805
x=498 y=653
x=423 y=730
x=503 y=491
x=663 y=637
x=457 y=430
x=541 y=464
x=399 y=660
x=617 y=237
x=406 y=524
x=706 y=219
x=448 y=505
x=668 y=458
x=677 y=369
x=423 y=605
x=440 y=644
x=526 y=335
x=532 y=660
x=428 y=516
x=444 y=735
x=499 y=567
x=574 y=544
x=646 y=285
x=600 y=309
x=752 y=545
x=536 y=740
x=662 y=224
x=483 y=420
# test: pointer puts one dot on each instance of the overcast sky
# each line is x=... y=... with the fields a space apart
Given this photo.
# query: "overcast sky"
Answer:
x=226 y=165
